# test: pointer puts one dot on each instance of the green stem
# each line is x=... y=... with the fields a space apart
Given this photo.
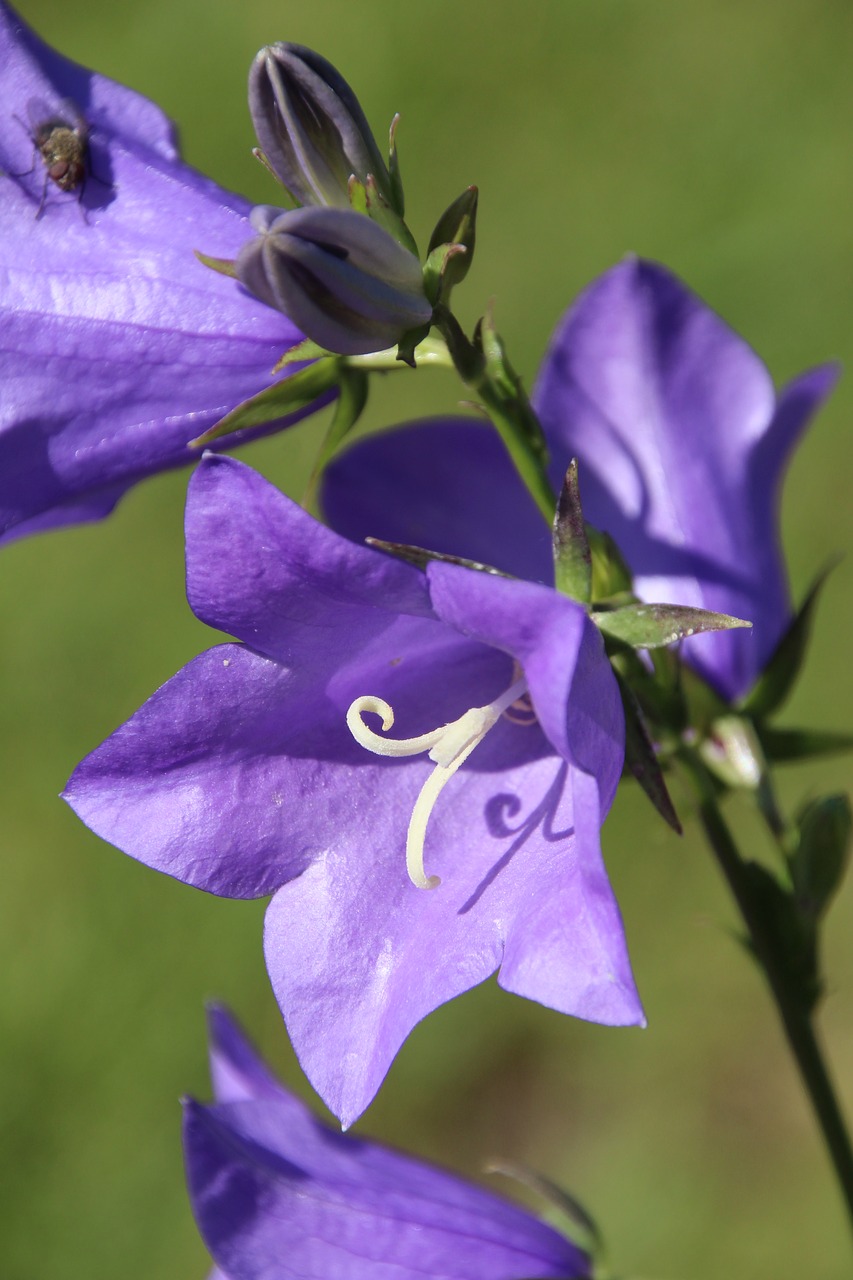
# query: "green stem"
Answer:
x=796 y=1020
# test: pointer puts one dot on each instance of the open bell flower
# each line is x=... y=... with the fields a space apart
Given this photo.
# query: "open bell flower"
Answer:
x=117 y=347
x=277 y=1194
x=682 y=445
x=262 y=768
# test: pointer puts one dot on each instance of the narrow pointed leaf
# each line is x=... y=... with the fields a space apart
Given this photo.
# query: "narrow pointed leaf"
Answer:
x=785 y=745
x=420 y=557
x=224 y=266
x=641 y=759
x=350 y=404
x=305 y=350
x=572 y=556
x=282 y=398
x=779 y=676
x=648 y=626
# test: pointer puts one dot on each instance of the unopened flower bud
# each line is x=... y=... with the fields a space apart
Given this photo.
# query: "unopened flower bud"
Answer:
x=344 y=281
x=311 y=128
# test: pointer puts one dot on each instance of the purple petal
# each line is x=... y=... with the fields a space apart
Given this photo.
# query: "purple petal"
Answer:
x=358 y=956
x=667 y=410
x=278 y=1196
x=444 y=484
x=117 y=346
x=237 y=1071
x=262 y=569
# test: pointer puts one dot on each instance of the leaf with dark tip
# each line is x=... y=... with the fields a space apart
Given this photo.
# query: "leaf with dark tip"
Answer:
x=648 y=626
x=420 y=557
x=304 y=350
x=641 y=759
x=572 y=556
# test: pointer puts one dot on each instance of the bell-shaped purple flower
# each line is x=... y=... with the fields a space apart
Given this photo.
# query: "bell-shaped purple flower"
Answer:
x=260 y=768
x=343 y=279
x=117 y=346
x=311 y=128
x=277 y=1194
x=682 y=444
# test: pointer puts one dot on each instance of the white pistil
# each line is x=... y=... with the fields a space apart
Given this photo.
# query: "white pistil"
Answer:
x=448 y=746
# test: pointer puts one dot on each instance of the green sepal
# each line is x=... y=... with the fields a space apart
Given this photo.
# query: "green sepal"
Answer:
x=439 y=273
x=502 y=388
x=611 y=578
x=394 y=168
x=420 y=557
x=823 y=851
x=780 y=674
x=357 y=193
x=223 y=266
x=641 y=760
x=649 y=626
x=304 y=350
x=282 y=398
x=353 y=387
x=381 y=212
x=572 y=556
x=792 y=935
x=409 y=343
x=456 y=226
x=288 y=201
x=781 y=746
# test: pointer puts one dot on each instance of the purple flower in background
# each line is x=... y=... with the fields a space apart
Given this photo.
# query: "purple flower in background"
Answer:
x=254 y=771
x=277 y=1194
x=682 y=445
x=117 y=346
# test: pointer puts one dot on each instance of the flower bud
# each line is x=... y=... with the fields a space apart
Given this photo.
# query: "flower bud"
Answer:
x=312 y=130
x=344 y=281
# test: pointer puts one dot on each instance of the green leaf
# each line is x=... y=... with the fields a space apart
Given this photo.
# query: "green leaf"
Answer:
x=282 y=398
x=648 y=626
x=440 y=275
x=779 y=676
x=641 y=759
x=611 y=578
x=394 y=168
x=572 y=556
x=792 y=935
x=782 y=746
x=822 y=854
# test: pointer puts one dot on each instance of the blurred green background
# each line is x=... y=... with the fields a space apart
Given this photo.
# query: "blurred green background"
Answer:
x=714 y=137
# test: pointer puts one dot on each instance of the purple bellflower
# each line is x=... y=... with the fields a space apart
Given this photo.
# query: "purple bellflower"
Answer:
x=278 y=1195
x=117 y=347
x=260 y=769
x=682 y=445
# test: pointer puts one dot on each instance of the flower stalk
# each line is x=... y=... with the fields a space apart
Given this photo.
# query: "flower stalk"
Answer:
x=764 y=941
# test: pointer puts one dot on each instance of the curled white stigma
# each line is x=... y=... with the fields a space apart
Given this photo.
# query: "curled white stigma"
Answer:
x=448 y=746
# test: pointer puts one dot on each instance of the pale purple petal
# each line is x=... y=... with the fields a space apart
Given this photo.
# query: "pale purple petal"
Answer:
x=357 y=955
x=117 y=347
x=278 y=1196
x=444 y=484
x=667 y=410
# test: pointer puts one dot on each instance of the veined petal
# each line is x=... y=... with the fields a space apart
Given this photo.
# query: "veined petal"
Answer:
x=443 y=483
x=262 y=569
x=117 y=346
x=277 y=1195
